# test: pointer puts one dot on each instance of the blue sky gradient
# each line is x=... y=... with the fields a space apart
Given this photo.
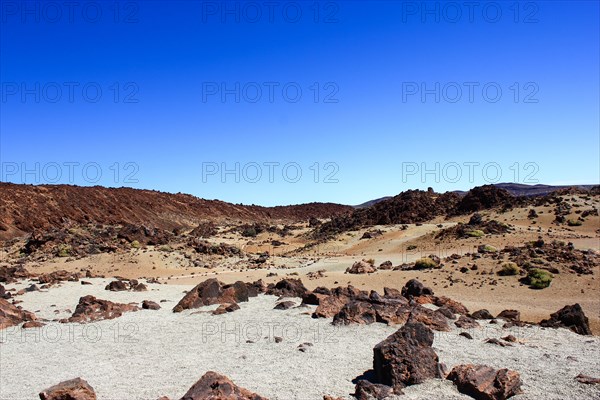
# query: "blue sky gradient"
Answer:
x=163 y=122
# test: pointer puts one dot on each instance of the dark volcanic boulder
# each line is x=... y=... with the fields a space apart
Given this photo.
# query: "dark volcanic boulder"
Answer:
x=366 y=390
x=74 y=389
x=284 y=305
x=213 y=386
x=361 y=267
x=482 y=314
x=13 y=274
x=288 y=288
x=57 y=277
x=432 y=319
x=211 y=292
x=485 y=383
x=116 y=286
x=511 y=315
x=4 y=294
x=331 y=302
x=465 y=322
x=455 y=306
x=570 y=317
x=415 y=288
x=356 y=312
x=92 y=309
x=150 y=305
x=10 y=315
x=406 y=357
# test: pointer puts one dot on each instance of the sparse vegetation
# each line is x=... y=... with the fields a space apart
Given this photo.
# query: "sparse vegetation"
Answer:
x=249 y=232
x=574 y=222
x=135 y=244
x=476 y=233
x=509 y=269
x=486 y=248
x=425 y=263
x=539 y=278
x=411 y=247
x=64 y=250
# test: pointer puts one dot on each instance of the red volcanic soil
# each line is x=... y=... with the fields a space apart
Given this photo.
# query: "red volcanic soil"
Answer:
x=25 y=208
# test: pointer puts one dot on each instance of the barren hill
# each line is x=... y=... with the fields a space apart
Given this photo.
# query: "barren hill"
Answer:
x=24 y=208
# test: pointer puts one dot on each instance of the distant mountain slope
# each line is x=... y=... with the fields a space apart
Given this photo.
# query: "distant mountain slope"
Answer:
x=25 y=208
x=516 y=189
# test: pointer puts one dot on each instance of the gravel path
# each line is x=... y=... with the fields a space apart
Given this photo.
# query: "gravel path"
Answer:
x=148 y=354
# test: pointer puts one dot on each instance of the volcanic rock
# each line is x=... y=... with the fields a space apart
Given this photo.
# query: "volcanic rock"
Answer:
x=570 y=317
x=74 y=389
x=213 y=386
x=92 y=309
x=211 y=292
x=485 y=383
x=406 y=357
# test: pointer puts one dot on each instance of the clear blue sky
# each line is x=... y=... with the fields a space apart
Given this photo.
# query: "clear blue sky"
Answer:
x=168 y=118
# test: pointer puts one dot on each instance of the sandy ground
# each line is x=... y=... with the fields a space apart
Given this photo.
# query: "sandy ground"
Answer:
x=147 y=354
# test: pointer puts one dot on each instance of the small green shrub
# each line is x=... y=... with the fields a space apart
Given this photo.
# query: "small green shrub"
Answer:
x=509 y=269
x=165 y=248
x=425 y=263
x=486 y=248
x=135 y=244
x=476 y=233
x=249 y=232
x=539 y=278
x=574 y=223
x=64 y=250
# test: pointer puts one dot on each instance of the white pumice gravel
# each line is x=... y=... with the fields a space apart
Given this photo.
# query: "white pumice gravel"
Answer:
x=148 y=354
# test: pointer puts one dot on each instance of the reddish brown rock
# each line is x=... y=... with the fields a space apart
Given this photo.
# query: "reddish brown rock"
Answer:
x=365 y=390
x=588 y=380
x=497 y=342
x=361 y=267
x=511 y=315
x=485 y=383
x=288 y=288
x=415 y=288
x=406 y=357
x=570 y=317
x=32 y=324
x=226 y=308
x=454 y=306
x=465 y=322
x=213 y=386
x=11 y=315
x=92 y=309
x=150 y=305
x=331 y=302
x=116 y=286
x=386 y=265
x=432 y=319
x=57 y=277
x=284 y=305
x=329 y=306
x=356 y=312
x=140 y=287
x=74 y=389
x=211 y=292
x=482 y=314
x=13 y=274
